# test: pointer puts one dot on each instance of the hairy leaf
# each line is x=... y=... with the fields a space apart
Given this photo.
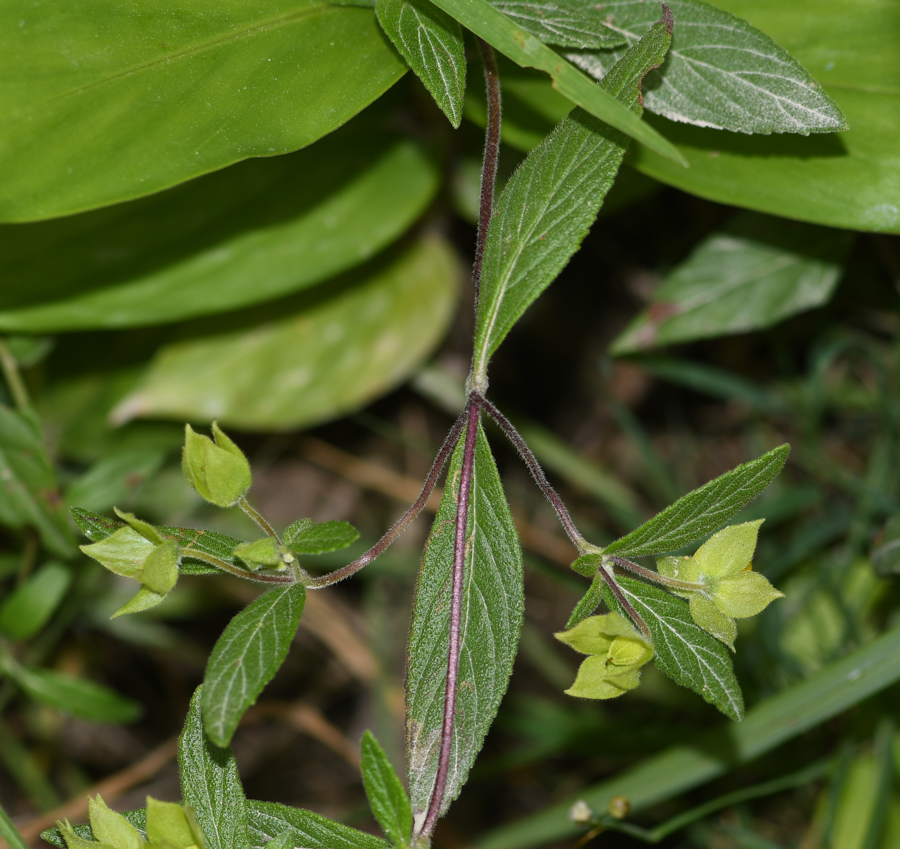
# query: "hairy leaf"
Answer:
x=551 y=201
x=387 y=798
x=286 y=223
x=319 y=538
x=211 y=785
x=587 y=604
x=755 y=273
x=684 y=651
x=432 y=43
x=704 y=510
x=25 y=611
x=246 y=657
x=492 y=605
x=28 y=491
x=564 y=23
x=93 y=115
x=268 y=820
x=722 y=73
x=310 y=358
x=53 y=836
x=526 y=50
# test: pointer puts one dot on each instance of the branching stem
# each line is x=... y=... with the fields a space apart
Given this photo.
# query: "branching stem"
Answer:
x=610 y=581
x=257 y=518
x=237 y=570
x=650 y=575
x=459 y=566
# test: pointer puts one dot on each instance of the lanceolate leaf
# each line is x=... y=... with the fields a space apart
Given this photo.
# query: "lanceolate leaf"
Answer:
x=684 y=651
x=564 y=23
x=92 y=116
x=755 y=273
x=551 y=201
x=722 y=73
x=387 y=798
x=30 y=605
x=268 y=820
x=587 y=604
x=704 y=510
x=246 y=657
x=432 y=42
x=492 y=605
x=211 y=785
x=528 y=52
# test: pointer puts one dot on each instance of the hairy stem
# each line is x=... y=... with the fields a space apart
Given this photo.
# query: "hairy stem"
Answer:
x=537 y=472
x=403 y=522
x=10 y=369
x=237 y=570
x=491 y=157
x=616 y=590
x=257 y=518
x=650 y=575
x=459 y=566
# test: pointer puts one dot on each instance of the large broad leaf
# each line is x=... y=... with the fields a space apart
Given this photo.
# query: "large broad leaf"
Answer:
x=432 y=42
x=103 y=101
x=703 y=510
x=28 y=492
x=528 y=51
x=268 y=820
x=551 y=201
x=683 y=650
x=565 y=23
x=721 y=72
x=246 y=657
x=284 y=223
x=319 y=356
x=492 y=606
x=755 y=273
x=211 y=785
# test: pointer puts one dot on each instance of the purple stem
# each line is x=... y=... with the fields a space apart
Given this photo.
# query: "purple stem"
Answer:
x=534 y=467
x=616 y=590
x=459 y=567
x=401 y=524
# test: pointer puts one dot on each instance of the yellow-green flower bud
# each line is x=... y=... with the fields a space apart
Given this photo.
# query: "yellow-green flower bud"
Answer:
x=122 y=552
x=147 y=531
x=218 y=470
x=112 y=828
x=264 y=553
x=172 y=825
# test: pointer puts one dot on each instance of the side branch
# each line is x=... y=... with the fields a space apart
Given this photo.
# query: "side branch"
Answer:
x=616 y=590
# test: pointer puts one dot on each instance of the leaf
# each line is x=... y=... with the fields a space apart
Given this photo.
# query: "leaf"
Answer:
x=268 y=820
x=491 y=620
x=211 y=784
x=527 y=51
x=28 y=491
x=95 y=116
x=386 y=795
x=684 y=651
x=286 y=223
x=721 y=73
x=53 y=836
x=9 y=832
x=699 y=512
x=114 y=478
x=28 y=608
x=97 y=528
x=76 y=696
x=319 y=538
x=565 y=23
x=310 y=359
x=432 y=43
x=587 y=604
x=246 y=657
x=755 y=273
x=550 y=203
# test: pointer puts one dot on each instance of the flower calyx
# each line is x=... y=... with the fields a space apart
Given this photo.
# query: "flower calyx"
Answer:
x=218 y=470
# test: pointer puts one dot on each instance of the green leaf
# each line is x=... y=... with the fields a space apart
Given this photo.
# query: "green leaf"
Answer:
x=587 y=604
x=286 y=223
x=527 y=51
x=246 y=657
x=684 y=651
x=171 y=825
x=53 y=836
x=692 y=763
x=551 y=201
x=112 y=828
x=385 y=792
x=28 y=491
x=113 y=478
x=211 y=785
x=76 y=696
x=432 y=43
x=851 y=180
x=25 y=611
x=315 y=357
x=564 y=23
x=755 y=273
x=699 y=512
x=9 y=832
x=268 y=820
x=155 y=99
x=319 y=538
x=721 y=73
x=492 y=605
